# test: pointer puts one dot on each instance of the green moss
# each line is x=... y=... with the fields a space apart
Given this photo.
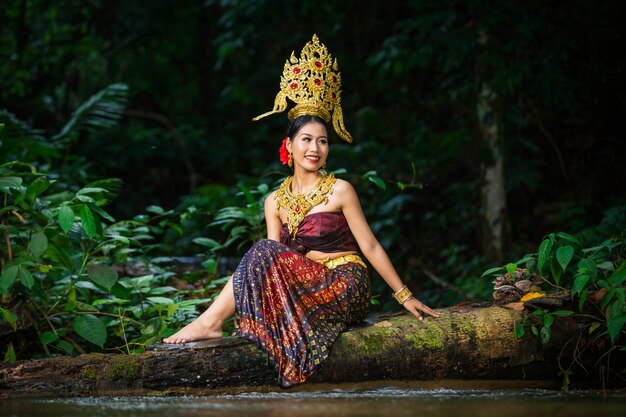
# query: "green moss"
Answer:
x=426 y=336
x=90 y=373
x=373 y=343
x=467 y=327
x=123 y=367
x=371 y=340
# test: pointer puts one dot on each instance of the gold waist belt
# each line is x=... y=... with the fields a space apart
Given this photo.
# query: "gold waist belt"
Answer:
x=335 y=262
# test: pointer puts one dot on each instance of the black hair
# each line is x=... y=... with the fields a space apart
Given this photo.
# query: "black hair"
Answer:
x=294 y=126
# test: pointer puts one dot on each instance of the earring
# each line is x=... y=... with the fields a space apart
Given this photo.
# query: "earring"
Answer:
x=290 y=160
x=324 y=165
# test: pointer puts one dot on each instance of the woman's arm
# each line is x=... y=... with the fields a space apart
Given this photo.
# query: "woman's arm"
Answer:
x=272 y=219
x=371 y=248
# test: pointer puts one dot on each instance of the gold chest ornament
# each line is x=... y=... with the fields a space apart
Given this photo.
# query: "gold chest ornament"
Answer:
x=297 y=206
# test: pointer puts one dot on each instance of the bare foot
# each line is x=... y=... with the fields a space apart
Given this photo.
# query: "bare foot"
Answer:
x=196 y=330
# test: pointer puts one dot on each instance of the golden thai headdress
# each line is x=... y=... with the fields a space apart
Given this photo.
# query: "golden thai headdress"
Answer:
x=313 y=82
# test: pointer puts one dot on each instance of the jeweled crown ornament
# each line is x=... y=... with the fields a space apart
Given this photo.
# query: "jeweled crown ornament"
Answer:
x=313 y=82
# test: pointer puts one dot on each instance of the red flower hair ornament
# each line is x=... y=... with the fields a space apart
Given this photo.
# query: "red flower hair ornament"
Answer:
x=284 y=153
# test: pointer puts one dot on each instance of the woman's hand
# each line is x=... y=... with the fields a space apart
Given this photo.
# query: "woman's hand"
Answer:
x=415 y=306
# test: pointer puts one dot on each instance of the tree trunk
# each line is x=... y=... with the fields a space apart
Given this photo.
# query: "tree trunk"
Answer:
x=465 y=342
x=493 y=196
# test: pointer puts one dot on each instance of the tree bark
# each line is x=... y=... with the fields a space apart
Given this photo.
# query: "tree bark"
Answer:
x=465 y=342
x=493 y=195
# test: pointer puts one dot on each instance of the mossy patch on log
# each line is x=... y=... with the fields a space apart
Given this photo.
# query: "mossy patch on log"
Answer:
x=426 y=335
x=123 y=368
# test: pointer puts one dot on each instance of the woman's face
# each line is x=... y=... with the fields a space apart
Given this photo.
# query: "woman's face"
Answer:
x=309 y=146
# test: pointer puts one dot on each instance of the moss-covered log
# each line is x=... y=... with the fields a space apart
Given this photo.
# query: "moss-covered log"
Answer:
x=465 y=342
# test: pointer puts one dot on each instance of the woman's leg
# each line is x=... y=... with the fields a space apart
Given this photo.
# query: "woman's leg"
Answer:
x=209 y=324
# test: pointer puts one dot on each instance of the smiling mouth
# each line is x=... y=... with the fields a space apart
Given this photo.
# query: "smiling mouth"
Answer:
x=312 y=158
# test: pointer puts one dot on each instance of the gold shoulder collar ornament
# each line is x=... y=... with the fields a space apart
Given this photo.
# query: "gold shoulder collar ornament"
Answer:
x=297 y=206
x=313 y=82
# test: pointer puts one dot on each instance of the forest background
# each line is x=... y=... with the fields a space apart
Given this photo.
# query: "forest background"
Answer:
x=480 y=127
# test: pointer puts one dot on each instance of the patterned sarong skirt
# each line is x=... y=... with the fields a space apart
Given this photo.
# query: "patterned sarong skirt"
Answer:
x=294 y=308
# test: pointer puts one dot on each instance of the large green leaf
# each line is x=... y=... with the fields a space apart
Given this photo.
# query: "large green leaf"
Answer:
x=569 y=238
x=48 y=337
x=25 y=277
x=9 y=317
x=65 y=346
x=71 y=299
x=85 y=198
x=90 y=190
x=80 y=306
x=548 y=320
x=545 y=334
x=543 y=253
x=374 y=178
x=615 y=308
x=101 y=212
x=36 y=188
x=66 y=218
x=59 y=254
x=8 y=276
x=564 y=255
x=247 y=193
x=561 y=313
x=112 y=187
x=90 y=328
x=9 y=355
x=38 y=244
x=511 y=268
x=555 y=270
x=580 y=282
x=588 y=266
x=492 y=271
x=210 y=265
x=100 y=111
x=155 y=209
x=88 y=221
x=615 y=325
x=208 y=242
x=618 y=277
x=10 y=182
x=18 y=165
x=606 y=265
x=160 y=300
x=102 y=275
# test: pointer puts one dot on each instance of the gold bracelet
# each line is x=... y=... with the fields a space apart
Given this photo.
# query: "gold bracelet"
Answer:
x=403 y=295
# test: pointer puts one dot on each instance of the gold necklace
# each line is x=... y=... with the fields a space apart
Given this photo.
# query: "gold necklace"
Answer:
x=297 y=206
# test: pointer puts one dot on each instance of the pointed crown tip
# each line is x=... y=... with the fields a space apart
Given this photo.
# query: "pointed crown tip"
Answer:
x=313 y=82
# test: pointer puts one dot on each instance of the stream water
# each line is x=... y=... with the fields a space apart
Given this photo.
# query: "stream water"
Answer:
x=393 y=399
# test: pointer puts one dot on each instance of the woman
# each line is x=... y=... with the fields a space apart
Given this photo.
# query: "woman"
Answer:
x=300 y=288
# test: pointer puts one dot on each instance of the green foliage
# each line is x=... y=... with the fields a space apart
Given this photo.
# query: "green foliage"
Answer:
x=101 y=111
x=540 y=323
x=60 y=255
x=593 y=276
x=61 y=250
x=90 y=328
x=244 y=224
x=9 y=355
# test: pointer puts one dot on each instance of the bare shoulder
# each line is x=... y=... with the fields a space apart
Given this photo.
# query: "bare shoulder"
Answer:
x=269 y=202
x=343 y=186
x=343 y=190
